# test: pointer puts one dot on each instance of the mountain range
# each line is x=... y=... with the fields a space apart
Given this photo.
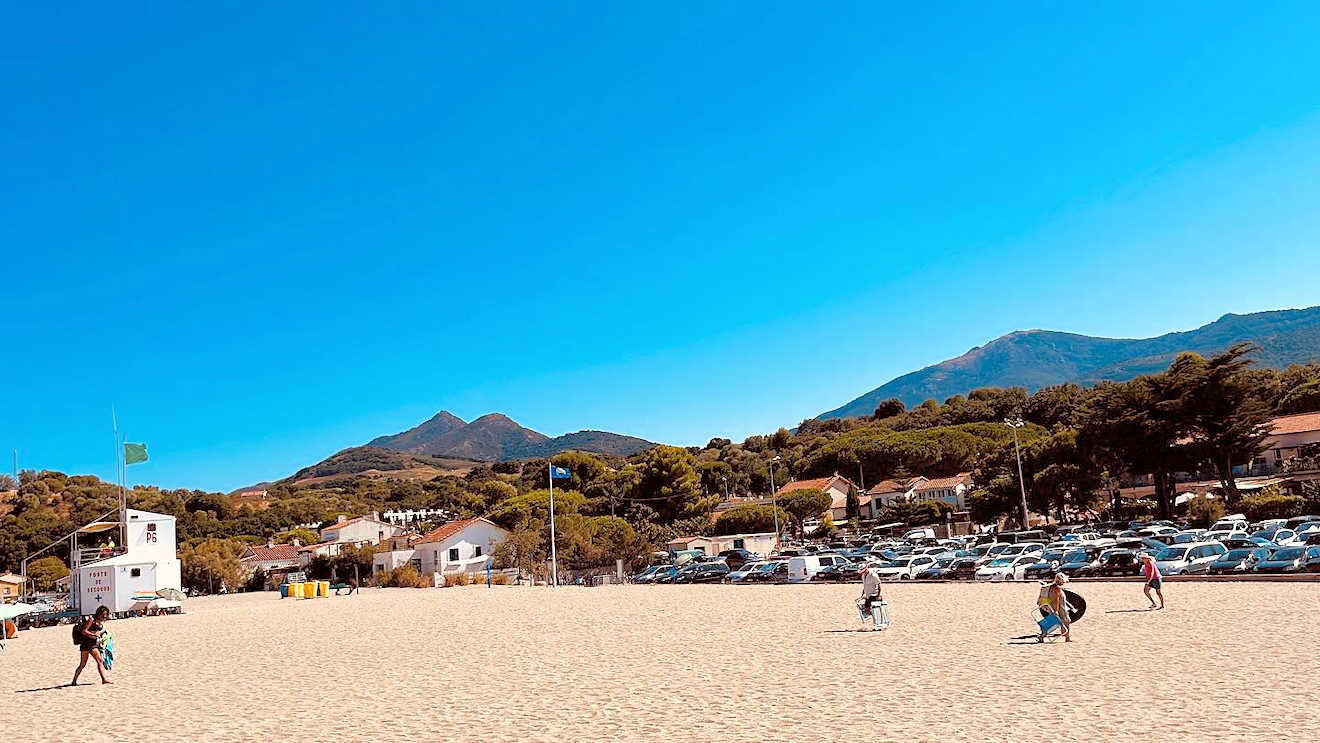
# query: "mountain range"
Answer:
x=496 y=437
x=1040 y=358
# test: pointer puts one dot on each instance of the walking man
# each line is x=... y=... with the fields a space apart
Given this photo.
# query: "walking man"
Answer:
x=871 y=600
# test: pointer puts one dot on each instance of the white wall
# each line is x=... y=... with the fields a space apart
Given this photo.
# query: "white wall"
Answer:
x=435 y=555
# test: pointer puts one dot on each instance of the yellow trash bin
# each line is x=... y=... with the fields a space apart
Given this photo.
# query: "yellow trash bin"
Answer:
x=323 y=588
x=296 y=590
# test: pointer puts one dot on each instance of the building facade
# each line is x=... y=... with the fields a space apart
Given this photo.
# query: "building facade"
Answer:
x=458 y=546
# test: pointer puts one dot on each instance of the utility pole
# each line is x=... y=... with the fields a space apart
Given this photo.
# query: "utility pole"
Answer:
x=774 y=499
x=1015 y=424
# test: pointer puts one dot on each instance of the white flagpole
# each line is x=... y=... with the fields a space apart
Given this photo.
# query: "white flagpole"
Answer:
x=119 y=465
x=554 y=555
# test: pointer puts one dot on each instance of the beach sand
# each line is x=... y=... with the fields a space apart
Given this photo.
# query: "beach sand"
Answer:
x=1225 y=662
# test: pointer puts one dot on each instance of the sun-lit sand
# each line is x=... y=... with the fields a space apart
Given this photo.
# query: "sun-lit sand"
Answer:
x=691 y=663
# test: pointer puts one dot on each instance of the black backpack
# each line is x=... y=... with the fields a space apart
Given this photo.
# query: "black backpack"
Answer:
x=77 y=632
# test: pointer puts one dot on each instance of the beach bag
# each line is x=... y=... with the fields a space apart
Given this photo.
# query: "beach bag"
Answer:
x=77 y=633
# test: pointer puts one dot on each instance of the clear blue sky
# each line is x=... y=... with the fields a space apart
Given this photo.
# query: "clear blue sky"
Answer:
x=265 y=234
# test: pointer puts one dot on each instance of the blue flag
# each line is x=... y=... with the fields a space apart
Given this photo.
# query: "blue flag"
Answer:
x=559 y=473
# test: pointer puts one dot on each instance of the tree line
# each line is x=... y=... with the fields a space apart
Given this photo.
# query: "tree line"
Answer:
x=1078 y=445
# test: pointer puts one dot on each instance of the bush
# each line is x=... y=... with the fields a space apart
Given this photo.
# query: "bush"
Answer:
x=457 y=579
x=499 y=580
x=1203 y=512
x=404 y=576
x=1270 y=503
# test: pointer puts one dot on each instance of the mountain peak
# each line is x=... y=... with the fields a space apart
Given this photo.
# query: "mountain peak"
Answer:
x=1040 y=358
x=496 y=436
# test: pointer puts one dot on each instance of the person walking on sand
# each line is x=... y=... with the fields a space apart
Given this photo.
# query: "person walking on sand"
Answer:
x=89 y=633
x=1058 y=606
x=870 y=597
x=1153 y=579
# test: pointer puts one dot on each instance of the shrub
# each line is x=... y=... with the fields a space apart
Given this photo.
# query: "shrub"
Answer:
x=457 y=579
x=404 y=576
x=499 y=580
x=1271 y=503
x=1203 y=512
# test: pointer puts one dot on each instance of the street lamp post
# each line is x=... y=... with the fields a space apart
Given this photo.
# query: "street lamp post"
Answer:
x=774 y=499
x=1015 y=424
x=726 y=488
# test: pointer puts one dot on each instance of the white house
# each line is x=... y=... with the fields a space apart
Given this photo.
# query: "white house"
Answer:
x=269 y=558
x=762 y=544
x=1290 y=436
x=887 y=492
x=361 y=530
x=395 y=552
x=145 y=563
x=951 y=490
x=11 y=586
x=458 y=546
x=836 y=486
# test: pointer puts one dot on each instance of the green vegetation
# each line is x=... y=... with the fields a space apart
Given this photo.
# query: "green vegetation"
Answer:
x=1078 y=444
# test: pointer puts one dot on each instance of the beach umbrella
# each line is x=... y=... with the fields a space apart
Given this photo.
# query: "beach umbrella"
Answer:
x=11 y=611
x=173 y=594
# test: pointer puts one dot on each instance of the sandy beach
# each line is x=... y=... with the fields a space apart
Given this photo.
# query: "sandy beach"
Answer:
x=1224 y=662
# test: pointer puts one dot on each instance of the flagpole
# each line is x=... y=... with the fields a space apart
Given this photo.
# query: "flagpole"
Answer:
x=119 y=465
x=554 y=555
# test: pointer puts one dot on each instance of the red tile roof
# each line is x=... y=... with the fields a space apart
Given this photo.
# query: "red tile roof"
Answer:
x=277 y=552
x=895 y=486
x=820 y=483
x=943 y=483
x=1300 y=423
x=314 y=547
x=446 y=530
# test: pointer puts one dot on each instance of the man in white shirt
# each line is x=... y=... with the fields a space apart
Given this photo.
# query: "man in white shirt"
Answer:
x=871 y=604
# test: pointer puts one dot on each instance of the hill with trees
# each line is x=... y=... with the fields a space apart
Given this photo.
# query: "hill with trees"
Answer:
x=1040 y=358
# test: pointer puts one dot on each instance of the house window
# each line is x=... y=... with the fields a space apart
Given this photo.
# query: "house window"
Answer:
x=739 y=544
x=476 y=552
x=135 y=573
x=453 y=554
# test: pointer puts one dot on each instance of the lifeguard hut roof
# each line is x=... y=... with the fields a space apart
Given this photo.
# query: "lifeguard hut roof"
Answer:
x=97 y=526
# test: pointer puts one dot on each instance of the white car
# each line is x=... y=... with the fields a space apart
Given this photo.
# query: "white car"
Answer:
x=1082 y=536
x=904 y=568
x=1189 y=558
x=1005 y=568
x=1219 y=535
x=1024 y=548
x=1156 y=531
x=1189 y=536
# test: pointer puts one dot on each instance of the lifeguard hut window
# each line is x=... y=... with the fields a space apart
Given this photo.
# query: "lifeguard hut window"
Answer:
x=151 y=527
x=136 y=572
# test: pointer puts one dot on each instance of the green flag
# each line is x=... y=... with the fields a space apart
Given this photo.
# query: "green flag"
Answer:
x=135 y=453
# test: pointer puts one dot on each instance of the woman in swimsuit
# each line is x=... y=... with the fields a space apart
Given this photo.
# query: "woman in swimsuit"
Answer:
x=88 y=635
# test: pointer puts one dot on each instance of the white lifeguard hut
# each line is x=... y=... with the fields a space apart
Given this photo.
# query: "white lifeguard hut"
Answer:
x=142 y=560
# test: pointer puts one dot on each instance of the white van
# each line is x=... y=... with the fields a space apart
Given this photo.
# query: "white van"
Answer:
x=920 y=533
x=801 y=569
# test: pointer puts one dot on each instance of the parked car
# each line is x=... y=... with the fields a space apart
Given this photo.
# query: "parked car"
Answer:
x=904 y=568
x=1118 y=562
x=1046 y=564
x=704 y=572
x=845 y=572
x=1189 y=558
x=1238 y=542
x=1079 y=560
x=650 y=572
x=1023 y=548
x=1312 y=562
x=1238 y=561
x=941 y=570
x=1186 y=537
x=1284 y=560
x=737 y=558
x=769 y=572
x=1276 y=534
x=964 y=568
x=1005 y=568
x=665 y=574
x=736 y=576
x=800 y=569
